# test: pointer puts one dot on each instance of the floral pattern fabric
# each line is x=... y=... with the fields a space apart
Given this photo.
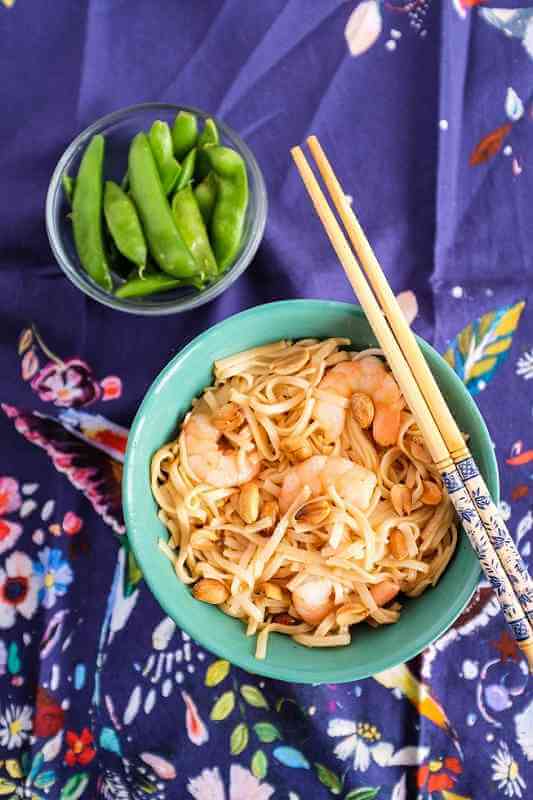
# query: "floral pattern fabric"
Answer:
x=425 y=109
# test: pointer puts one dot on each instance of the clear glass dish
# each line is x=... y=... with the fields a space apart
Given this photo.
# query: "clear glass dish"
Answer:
x=119 y=128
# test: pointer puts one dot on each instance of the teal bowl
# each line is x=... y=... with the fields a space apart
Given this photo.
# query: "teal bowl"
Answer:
x=422 y=620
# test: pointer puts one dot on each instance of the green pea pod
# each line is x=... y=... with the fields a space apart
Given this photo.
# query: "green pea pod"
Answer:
x=184 y=134
x=150 y=284
x=68 y=184
x=87 y=214
x=208 y=137
x=227 y=223
x=193 y=231
x=124 y=226
x=161 y=144
x=187 y=170
x=164 y=242
x=206 y=195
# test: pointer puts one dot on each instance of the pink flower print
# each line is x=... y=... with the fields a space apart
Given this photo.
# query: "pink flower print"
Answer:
x=9 y=495
x=29 y=366
x=68 y=384
x=9 y=501
x=112 y=387
x=72 y=524
x=242 y=785
x=196 y=730
x=18 y=589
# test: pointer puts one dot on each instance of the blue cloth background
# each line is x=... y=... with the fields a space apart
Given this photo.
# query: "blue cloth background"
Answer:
x=430 y=129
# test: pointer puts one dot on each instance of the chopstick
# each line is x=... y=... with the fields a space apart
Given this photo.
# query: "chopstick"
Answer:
x=494 y=524
x=434 y=436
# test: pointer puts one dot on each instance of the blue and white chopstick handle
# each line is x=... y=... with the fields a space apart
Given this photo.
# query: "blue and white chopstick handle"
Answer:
x=498 y=533
x=468 y=514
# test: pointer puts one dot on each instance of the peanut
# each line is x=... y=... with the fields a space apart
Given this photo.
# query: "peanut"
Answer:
x=270 y=509
x=397 y=544
x=314 y=513
x=249 y=502
x=401 y=499
x=273 y=591
x=363 y=409
x=432 y=494
x=298 y=447
x=211 y=591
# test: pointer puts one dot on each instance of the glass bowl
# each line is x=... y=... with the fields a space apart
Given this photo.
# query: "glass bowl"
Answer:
x=119 y=129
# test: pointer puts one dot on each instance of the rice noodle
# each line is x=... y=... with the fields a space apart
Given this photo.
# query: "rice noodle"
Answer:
x=275 y=389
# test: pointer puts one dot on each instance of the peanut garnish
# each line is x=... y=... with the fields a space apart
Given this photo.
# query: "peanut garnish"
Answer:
x=298 y=447
x=401 y=499
x=410 y=478
x=228 y=417
x=314 y=513
x=432 y=494
x=397 y=544
x=270 y=509
x=249 y=502
x=363 y=409
x=273 y=591
x=208 y=590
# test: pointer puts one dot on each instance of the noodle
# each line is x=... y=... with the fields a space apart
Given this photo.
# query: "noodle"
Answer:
x=303 y=532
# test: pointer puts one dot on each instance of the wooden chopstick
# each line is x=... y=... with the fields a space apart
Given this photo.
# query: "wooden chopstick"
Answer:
x=466 y=508
x=490 y=516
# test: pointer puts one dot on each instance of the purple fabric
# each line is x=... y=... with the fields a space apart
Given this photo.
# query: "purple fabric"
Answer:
x=425 y=109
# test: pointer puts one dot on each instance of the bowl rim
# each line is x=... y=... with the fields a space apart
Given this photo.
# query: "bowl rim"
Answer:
x=248 y=661
x=131 y=306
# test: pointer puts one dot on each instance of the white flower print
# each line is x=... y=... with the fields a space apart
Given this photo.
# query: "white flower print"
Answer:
x=15 y=726
x=505 y=772
x=524 y=730
x=524 y=365
x=18 y=589
x=243 y=785
x=362 y=742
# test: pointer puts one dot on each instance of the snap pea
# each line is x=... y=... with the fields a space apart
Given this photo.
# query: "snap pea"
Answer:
x=191 y=226
x=208 y=138
x=124 y=226
x=206 y=195
x=164 y=241
x=87 y=214
x=161 y=144
x=227 y=223
x=150 y=284
x=68 y=184
x=184 y=134
x=187 y=170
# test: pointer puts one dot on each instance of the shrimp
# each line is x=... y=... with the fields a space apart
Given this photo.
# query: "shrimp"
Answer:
x=313 y=599
x=369 y=376
x=354 y=483
x=212 y=464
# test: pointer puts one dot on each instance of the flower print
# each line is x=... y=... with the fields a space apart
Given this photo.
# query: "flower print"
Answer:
x=112 y=387
x=66 y=384
x=363 y=743
x=55 y=575
x=80 y=750
x=29 y=365
x=242 y=785
x=524 y=365
x=72 y=524
x=9 y=495
x=505 y=772
x=9 y=534
x=15 y=726
x=18 y=589
x=438 y=776
x=49 y=716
